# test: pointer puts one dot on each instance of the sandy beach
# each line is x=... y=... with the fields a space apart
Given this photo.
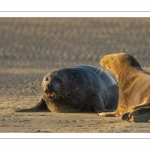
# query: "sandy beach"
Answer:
x=32 y=47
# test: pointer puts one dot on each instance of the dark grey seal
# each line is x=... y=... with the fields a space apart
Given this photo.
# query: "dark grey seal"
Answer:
x=81 y=88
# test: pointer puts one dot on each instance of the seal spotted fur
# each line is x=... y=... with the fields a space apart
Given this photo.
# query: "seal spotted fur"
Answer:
x=77 y=89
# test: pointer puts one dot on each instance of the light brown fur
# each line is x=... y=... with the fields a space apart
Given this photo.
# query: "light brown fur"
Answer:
x=134 y=87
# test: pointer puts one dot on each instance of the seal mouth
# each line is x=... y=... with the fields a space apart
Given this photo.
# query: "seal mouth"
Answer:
x=50 y=95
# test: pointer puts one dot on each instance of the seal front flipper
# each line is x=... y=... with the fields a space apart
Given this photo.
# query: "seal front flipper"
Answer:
x=124 y=117
x=40 y=106
x=108 y=114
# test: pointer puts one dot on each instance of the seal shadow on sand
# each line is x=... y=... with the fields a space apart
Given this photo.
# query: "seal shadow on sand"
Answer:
x=134 y=87
x=82 y=88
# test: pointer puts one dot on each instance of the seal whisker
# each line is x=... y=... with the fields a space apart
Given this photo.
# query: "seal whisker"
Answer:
x=61 y=96
x=97 y=67
x=65 y=95
x=100 y=69
x=122 y=48
x=61 y=93
x=57 y=96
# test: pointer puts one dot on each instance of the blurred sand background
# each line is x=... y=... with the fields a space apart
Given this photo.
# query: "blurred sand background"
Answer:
x=32 y=47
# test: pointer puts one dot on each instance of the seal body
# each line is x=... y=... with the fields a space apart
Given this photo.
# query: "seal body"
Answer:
x=134 y=87
x=81 y=88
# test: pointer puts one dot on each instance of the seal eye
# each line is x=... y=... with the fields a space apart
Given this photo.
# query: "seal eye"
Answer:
x=46 y=79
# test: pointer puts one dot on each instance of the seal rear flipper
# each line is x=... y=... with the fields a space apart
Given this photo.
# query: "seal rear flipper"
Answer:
x=140 y=115
x=40 y=106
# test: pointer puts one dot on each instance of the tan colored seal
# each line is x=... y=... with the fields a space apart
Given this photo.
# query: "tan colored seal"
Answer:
x=134 y=87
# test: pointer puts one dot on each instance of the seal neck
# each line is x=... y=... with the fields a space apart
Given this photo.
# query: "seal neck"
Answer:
x=126 y=78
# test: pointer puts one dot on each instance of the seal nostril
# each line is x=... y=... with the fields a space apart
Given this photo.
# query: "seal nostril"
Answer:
x=49 y=87
x=46 y=79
